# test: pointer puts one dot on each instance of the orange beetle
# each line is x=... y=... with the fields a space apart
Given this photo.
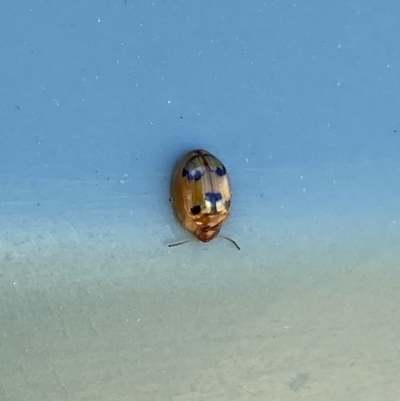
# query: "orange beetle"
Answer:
x=201 y=195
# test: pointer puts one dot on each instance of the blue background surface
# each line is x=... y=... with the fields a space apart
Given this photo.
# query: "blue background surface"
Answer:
x=96 y=92
x=99 y=100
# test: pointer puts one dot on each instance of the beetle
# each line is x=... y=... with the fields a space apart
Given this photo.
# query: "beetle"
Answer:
x=201 y=195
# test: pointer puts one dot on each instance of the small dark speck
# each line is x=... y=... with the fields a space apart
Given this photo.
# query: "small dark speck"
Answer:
x=181 y=117
x=108 y=178
x=395 y=131
x=17 y=107
x=298 y=382
x=38 y=204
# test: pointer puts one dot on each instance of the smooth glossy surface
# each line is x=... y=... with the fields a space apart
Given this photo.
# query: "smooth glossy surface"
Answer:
x=201 y=194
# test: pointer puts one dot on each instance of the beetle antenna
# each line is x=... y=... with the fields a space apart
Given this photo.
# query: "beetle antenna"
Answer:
x=181 y=243
x=230 y=240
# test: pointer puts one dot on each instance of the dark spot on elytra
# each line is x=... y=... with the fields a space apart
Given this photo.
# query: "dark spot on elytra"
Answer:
x=213 y=197
x=194 y=175
x=221 y=171
x=195 y=209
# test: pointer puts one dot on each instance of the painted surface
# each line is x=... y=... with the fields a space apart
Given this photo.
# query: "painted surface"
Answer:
x=98 y=102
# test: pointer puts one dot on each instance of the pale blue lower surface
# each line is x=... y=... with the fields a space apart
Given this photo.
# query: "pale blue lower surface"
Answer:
x=96 y=306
